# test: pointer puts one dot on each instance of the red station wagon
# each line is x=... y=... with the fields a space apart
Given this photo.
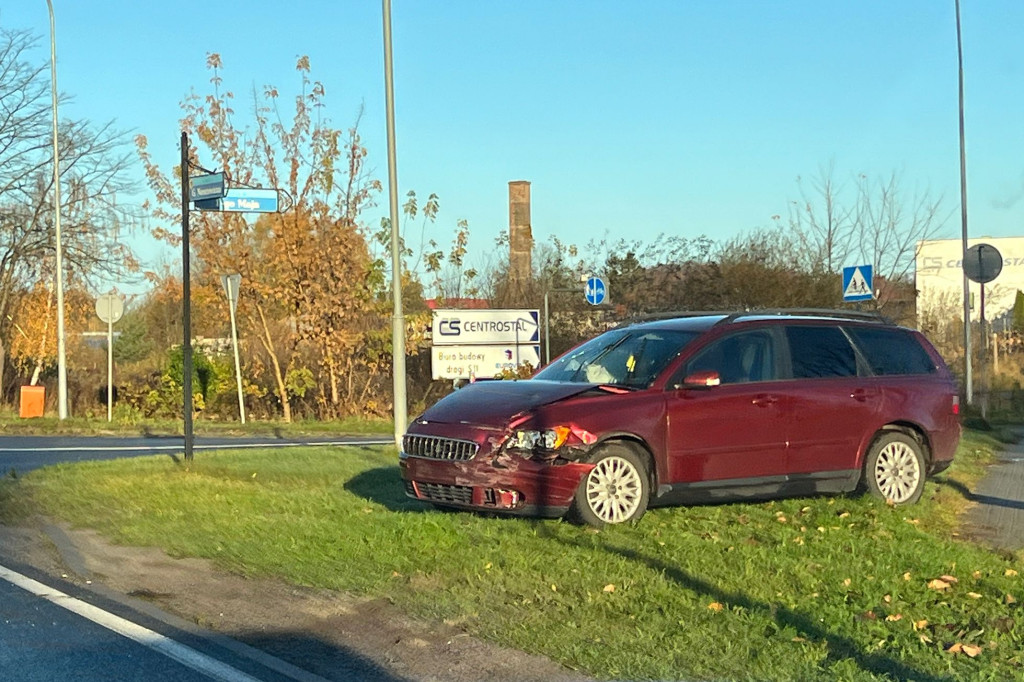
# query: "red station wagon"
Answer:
x=697 y=409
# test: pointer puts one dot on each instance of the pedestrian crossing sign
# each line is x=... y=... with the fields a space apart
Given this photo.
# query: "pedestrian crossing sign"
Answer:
x=858 y=283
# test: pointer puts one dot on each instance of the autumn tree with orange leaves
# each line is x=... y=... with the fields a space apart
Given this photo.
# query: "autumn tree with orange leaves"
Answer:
x=310 y=293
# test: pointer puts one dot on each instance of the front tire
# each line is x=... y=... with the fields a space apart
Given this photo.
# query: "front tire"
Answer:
x=894 y=469
x=616 y=490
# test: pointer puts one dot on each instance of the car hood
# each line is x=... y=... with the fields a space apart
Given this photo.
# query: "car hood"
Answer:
x=493 y=403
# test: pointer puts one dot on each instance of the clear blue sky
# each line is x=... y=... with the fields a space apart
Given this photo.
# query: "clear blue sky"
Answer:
x=629 y=119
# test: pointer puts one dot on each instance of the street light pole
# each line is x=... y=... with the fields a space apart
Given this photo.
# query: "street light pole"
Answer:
x=62 y=369
x=397 y=319
x=968 y=372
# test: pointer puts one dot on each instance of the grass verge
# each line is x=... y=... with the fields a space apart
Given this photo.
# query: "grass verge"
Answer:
x=11 y=424
x=823 y=588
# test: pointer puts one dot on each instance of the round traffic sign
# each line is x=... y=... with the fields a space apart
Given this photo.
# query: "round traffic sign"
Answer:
x=983 y=263
x=595 y=291
x=109 y=307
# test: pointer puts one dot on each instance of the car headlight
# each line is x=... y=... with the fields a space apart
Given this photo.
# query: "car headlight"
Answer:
x=549 y=440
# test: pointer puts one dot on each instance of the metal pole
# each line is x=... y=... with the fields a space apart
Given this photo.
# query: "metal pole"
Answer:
x=968 y=378
x=547 y=332
x=110 y=358
x=238 y=368
x=397 y=319
x=186 y=304
x=62 y=366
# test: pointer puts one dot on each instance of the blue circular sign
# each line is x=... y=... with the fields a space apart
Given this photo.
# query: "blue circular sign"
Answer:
x=595 y=291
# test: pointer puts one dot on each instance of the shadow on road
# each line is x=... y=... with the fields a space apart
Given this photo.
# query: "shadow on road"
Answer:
x=980 y=499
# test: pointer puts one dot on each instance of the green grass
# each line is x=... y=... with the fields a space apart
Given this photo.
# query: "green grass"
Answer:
x=823 y=588
x=11 y=424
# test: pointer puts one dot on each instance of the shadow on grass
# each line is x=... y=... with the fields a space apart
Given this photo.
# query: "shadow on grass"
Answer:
x=385 y=487
x=989 y=500
x=839 y=647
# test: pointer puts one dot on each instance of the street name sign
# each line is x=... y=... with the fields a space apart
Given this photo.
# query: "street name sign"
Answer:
x=480 y=362
x=243 y=200
x=457 y=327
x=208 y=187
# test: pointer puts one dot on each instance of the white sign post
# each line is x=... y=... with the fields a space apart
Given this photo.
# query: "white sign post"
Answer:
x=231 y=284
x=110 y=308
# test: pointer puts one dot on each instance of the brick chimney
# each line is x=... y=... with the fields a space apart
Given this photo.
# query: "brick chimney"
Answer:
x=520 y=234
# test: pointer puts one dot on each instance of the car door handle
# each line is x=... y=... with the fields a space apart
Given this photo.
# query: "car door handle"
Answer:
x=765 y=400
x=861 y=395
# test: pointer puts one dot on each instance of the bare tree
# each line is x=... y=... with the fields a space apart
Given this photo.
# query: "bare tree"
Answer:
x=93 y=162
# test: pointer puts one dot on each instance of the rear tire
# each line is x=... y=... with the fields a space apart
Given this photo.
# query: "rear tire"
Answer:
x=616 y=490
x=895 y=468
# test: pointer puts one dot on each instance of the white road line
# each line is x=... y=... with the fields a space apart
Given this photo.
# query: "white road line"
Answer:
x=224 y=446
x=154 y=640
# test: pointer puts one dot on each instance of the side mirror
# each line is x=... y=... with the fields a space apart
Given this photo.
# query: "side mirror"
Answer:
x=703 y=379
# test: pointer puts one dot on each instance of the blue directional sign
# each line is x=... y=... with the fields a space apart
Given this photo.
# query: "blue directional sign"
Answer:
x=208 y=187
x=243 y=200
x=858 y=284
x=595 y=291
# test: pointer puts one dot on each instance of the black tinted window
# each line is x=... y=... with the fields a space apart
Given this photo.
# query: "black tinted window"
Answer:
x=892 y=351
x=820 y=352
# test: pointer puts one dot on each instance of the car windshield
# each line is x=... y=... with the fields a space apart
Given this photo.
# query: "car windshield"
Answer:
x=623 y=357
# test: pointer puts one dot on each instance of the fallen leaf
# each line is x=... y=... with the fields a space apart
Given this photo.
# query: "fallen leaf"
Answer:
x=847 y=582
x=609 y=588
x=1009 y=599
x=887 y=599
x=715 y=606
x=906 y=576
x=976 y=575
x=798 y=639
x=971 y=650
x=781 y=518
x=920 y=624
x=554 y=588
x=925 y=639
x=1010 y=573
x=974 y=595
x=955 y=649
x=938 y=584
x=844 y=515
x=913 y=522
x=949 y=579
x=487 y=566
x=396 y=574
x=893 y=617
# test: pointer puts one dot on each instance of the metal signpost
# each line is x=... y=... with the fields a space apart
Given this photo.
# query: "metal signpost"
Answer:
x=983 y=265
x=110 y=308
x=231 y=285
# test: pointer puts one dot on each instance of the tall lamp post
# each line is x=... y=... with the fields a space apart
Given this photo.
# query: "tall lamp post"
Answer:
x=62 y=369
x=397 y=319
x=968 y=372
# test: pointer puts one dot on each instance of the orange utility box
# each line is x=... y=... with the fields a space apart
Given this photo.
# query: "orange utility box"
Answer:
x=33 y=399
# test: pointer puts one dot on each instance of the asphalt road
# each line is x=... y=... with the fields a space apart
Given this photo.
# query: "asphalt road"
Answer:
x=51 y=629
x=24 y=453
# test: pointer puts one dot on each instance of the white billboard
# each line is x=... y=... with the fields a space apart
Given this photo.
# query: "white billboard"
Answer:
x=940 y=277
x=480 y=362
x=455 y=327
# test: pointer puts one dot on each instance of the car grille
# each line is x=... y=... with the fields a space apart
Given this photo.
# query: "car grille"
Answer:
x=439 y=492
x=434 y=447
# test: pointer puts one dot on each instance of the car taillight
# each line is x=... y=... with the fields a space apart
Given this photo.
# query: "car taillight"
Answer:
x=956 y=404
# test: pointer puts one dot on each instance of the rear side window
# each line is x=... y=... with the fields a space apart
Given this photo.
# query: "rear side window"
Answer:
x=892 y=351
x=820 y=352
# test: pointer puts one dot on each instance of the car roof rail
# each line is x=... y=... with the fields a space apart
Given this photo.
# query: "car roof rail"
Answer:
x=858 y=315
x=672 y=315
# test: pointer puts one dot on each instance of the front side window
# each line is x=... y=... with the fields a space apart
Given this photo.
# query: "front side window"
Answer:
x=892 y=351
x=738 y=359
x=624 y=357
x=820 y=352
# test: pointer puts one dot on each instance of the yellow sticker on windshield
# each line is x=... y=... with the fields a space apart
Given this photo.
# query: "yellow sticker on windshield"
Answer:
x=631 y=363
